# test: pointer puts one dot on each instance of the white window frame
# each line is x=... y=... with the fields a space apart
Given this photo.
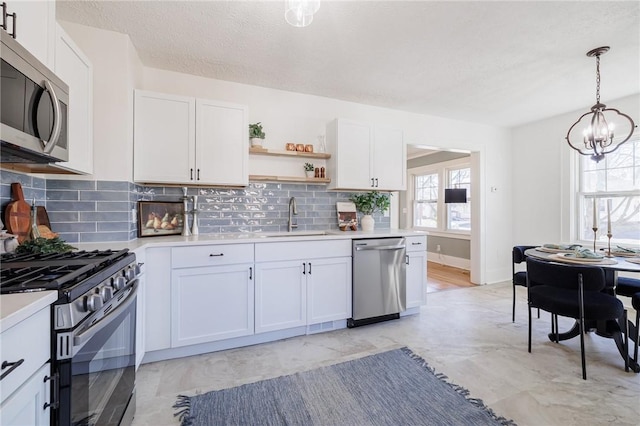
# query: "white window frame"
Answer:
x=587 y=197
x=442 y=169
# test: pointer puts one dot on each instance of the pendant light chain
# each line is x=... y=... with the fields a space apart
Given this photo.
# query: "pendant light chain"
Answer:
x=598 y=78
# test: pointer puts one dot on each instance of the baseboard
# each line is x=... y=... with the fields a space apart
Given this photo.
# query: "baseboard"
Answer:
x=456 y=262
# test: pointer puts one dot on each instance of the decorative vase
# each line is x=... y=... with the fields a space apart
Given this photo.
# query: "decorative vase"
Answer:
x=310 y=173
x=256 y=142
x=367 y=222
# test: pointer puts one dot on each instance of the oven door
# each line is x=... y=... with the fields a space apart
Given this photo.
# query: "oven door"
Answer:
x=97 y=382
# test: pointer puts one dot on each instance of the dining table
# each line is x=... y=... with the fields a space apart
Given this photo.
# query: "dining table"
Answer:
x=611 y=266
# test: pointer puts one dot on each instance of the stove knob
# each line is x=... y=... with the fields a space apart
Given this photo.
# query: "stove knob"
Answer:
x=92 y=303
x=130 y=274
x=119 y=283
x=106 y=292
x=138 y=268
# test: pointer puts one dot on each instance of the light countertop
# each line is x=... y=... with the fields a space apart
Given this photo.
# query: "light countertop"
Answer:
x=17 y=307
x=234 y=238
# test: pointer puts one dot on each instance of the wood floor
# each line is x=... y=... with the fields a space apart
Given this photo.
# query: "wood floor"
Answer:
x=443 y=277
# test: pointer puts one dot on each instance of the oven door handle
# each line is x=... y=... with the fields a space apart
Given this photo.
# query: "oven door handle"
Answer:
x=82 y=338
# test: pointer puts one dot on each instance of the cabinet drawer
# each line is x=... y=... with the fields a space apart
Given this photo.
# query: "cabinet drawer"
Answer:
x=214 y=255
x=416 y=243
x=269 y=252
x=29 y=340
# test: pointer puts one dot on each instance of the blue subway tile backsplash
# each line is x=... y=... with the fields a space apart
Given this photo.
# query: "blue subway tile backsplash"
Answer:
x=104 y=211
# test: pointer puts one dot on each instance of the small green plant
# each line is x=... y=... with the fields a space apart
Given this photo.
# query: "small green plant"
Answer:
x=371 y=202
x=255 y=131
x=308 y=167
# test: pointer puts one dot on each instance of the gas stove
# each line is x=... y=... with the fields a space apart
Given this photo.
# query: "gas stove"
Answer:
x=72 y=273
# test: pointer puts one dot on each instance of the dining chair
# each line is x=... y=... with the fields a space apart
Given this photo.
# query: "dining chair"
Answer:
x=627 y=286
x=572 y=291
x=519 y=277
x=635 y=302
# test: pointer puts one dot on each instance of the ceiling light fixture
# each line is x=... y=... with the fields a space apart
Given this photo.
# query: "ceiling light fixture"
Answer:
x=299 y=13
x=597 y=137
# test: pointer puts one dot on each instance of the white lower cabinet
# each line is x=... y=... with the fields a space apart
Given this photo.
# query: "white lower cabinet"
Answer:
x=313 y=288
x=158 y=299
x=211 y=293
x=211 y=303
x=416 y=271
x=281 y=295
x=25 y=351
x=329 y=290
x=27 y=405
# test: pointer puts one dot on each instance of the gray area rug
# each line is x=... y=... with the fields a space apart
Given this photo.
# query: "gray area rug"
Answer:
x=391 y=388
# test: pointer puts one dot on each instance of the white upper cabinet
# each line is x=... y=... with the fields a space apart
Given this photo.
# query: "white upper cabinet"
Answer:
x=35 y=27
x=365 y=157
x=221 y=143
x=75 y=69
x=186 y=140
x=164 y=138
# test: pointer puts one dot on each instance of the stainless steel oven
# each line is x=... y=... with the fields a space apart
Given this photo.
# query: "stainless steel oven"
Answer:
x=93 y=321
x=95 y=366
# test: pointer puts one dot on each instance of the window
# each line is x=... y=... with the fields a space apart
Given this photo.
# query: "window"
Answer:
x=459 y=214
x=427 y=196
x=425 y=201
x=615 y=178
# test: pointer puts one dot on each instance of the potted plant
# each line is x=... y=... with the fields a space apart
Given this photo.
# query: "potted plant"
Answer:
x=369 y=203
x=309 y=170
x=256 y=135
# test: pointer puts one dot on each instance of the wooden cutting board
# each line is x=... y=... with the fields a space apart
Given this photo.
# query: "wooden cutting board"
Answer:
x=18 y=214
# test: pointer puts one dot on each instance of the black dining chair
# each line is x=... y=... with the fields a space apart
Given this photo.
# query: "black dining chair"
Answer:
x=627 y=286
x=519 y=277
x=635 y=302
x=572 y=291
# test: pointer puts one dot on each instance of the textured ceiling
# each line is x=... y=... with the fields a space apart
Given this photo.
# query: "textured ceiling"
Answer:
x=499 y=63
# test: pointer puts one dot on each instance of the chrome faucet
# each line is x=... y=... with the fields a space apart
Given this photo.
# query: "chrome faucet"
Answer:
x=293 y=210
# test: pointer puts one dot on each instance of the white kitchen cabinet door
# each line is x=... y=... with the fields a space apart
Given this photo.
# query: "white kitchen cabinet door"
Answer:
x=222 y=153
x=211 y=303
x=389 y=159
x=26 y=406
x=328 y=289
x=36 y=27
x=281 y=295
x=164 y=138
x=416 y=278
x=365 y=157
x=158 y=299
x=350 y=144
x=75 y=69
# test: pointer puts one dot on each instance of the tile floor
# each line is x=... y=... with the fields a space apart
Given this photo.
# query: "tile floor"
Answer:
x=466 y=334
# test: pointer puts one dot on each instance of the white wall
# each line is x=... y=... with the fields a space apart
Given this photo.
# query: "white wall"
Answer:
x=117 y=70
x=541 y=170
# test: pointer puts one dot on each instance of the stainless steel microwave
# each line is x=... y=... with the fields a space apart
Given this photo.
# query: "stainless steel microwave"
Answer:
x=35 y=107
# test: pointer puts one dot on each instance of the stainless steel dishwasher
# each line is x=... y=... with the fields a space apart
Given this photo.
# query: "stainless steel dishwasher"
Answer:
x=379 y=280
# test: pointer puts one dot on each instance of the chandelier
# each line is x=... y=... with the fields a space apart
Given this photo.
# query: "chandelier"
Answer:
x=598 y=135
x=299 y=13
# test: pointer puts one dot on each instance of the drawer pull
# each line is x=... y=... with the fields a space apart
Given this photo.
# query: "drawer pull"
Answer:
x=416 y=244
x=13 y=366
x=55 y=402
x=216 y=255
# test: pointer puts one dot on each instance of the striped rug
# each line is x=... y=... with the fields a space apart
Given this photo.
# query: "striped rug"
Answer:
x=391 y=388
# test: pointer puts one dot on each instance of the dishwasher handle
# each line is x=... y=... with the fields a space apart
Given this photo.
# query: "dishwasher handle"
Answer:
x=362 y=248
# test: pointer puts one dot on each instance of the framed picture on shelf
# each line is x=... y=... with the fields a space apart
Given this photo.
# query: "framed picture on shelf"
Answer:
x=159 y=218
